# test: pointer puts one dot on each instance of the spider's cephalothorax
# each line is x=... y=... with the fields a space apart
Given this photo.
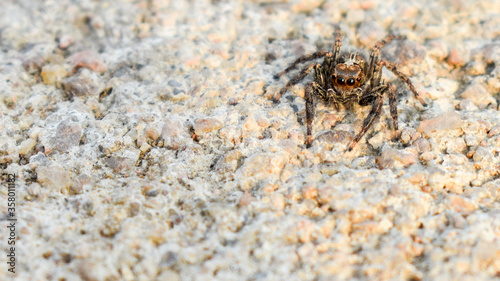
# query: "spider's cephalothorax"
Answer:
x=343 y=80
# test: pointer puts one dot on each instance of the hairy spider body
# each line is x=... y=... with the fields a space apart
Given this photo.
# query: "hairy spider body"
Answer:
x=343 y=80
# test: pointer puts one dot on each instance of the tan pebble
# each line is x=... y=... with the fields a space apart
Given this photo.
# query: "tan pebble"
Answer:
x=119 y=163
x=87 y=60
x=52 y=73
x=145 y=147
x=245 y=199
x=110 y=228
x=319 y=212
x=455 y=58
x=230 y=162
x=54 y=177
x=157 y=234
x=438 y=49
x=207 y=125
x=65 y=41
x=422 y=145
x=330 y=120
x=305 y=230
x=250 y=124
x=467 y=104
x=374 y=227
x=482 y=155
x=263 y=122
x=455 y=145
x=33 y=64
x=472 y=140
x=333 y=137
x=152 y=133
x=328 y=227
x=391 y=157
x=26 y=146
x=495 y=130
x=79 y=182
x=426 y=189
x=477 y=93
x=427 y=156
x=269 y=188
x=460 y=204
x=446 y=121
x=475 y=68
x=306 y=207
x=310 y=191
x=278 y=202
x=308 y=252
x=84 y=83
x=305 y=6
x=231 y=134
x=259 y=167
x=418 y=178
x=486 y=253
x=344 y=226
x=173 y=132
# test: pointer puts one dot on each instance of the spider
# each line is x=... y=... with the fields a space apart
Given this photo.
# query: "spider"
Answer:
x=346 y=79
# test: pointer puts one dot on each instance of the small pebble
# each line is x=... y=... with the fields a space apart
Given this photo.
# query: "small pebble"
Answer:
x=52 y=73
x=460 y=204
x=84 y=83
x=455 y=59
x=174 y=132
x=87 y=60
x=26 y=146
x=441 y=123
x=54 y=178
x=259 y=167
x=396 y=158
x=207 y=125
x=68 y=134
x=477 y=93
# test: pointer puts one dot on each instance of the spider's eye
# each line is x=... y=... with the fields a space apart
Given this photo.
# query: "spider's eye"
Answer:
x=358 y=79
x=350 y=81
x=340 y=81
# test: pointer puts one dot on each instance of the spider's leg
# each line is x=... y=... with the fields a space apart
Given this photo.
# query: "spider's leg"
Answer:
x=302 y=59
x=374 y=56
x=303 y=73
x=376 y=100
x=393 y=104
x=312 y=89
x=403 y=78
x=337 y=44
x=330 y=59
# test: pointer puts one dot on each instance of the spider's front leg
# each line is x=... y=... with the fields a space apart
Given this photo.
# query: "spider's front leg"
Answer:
x=374 y=97
x=312 y=89
x=302 y=74
x=392 y=67
x=315 y=55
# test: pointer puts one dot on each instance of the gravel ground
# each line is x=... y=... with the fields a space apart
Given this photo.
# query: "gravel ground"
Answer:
x=145 y=144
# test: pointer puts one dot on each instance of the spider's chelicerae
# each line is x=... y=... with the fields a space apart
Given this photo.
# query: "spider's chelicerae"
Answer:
x=346 y=79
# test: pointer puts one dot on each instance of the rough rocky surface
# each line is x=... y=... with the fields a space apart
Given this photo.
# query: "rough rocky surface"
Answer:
x=146 y=146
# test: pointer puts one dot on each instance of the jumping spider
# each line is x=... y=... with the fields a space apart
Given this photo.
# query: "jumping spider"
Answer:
x=346 y=79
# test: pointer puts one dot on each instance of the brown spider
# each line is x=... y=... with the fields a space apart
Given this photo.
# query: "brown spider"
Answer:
x=342 y=80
